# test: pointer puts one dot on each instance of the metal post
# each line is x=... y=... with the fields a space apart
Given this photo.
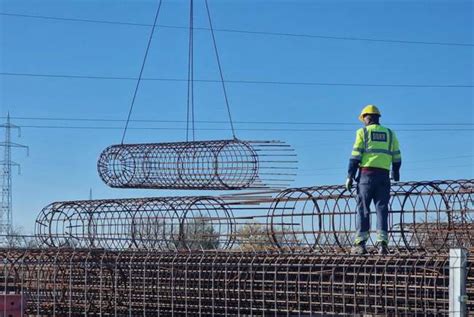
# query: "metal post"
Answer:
x=457 y=282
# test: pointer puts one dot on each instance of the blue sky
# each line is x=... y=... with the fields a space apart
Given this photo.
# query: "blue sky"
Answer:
x=62 y=164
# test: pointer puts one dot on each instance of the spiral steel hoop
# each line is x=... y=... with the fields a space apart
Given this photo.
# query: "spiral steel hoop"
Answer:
x=424 y=216
x=73 y=282
x=218 y=165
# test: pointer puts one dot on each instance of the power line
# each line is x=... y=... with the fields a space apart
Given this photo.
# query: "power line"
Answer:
x=405 y=162
x=286 y=130
x=46 y=17
x=442 y=158
x=294 y=130
x=250 y=32
x=444 y=167
x=239 y=122
x=242 y=129
x=42 y=75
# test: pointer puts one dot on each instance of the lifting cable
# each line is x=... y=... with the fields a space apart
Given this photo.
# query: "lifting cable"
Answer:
x=141 y=70
x=190 y=98
x=190 y=113
x=220 y=70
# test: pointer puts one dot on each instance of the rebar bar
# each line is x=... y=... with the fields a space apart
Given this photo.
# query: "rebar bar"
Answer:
x=431 y=216
x=218 y=165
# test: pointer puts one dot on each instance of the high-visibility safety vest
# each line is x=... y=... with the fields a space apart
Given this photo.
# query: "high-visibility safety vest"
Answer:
x=376 y=146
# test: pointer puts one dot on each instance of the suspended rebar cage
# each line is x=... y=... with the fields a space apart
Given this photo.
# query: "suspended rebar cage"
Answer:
x=217 y=165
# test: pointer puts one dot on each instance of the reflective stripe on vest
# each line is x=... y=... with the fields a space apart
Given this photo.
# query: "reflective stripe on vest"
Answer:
x=390 y=141
x=366 y=138
x=378 y=151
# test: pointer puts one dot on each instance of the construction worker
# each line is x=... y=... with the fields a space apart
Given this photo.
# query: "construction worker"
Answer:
x=375 y=149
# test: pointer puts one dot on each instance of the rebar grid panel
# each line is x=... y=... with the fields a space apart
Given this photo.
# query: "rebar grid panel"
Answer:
x=430 y=216
x=218 y=165
x=72 y=282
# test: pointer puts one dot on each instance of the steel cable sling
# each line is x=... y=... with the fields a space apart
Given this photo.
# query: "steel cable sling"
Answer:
x=222 y=164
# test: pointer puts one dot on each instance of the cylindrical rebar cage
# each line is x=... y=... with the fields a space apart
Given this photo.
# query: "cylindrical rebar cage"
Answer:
x=431 y=216
x=217 y=165
x=171 y=223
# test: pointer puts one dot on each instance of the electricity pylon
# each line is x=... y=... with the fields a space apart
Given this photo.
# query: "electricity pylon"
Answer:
x=6 y=217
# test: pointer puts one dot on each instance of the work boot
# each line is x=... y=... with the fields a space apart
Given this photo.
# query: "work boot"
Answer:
x=359 y=249
x=383 y=249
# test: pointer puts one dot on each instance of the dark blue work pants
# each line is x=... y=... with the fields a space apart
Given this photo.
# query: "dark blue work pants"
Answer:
x=372 y=187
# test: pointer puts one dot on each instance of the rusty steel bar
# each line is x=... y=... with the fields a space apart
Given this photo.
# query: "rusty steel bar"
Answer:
x=218 y=165
x=430 y=216
x=67 y=281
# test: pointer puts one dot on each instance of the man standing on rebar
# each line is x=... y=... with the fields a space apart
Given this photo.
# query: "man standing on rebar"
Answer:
x=375 y=149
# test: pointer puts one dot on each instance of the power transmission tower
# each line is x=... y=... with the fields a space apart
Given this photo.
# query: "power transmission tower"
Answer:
x=6 y=219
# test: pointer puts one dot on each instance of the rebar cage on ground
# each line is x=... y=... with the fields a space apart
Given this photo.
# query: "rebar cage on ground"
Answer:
x=427 y=215
x=88 y=282
x=218 y=165
x=433 y=216
x=166 y=223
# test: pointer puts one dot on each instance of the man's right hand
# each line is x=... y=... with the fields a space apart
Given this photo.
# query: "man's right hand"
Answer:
x=349 y=182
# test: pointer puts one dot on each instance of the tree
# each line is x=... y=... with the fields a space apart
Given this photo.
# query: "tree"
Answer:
x=152 y=233
x=17 y=239
x=197 y=234
x=253 y=237
x=257 y=237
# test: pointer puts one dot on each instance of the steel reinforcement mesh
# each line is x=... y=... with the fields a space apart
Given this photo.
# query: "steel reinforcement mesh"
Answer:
x=217 y=165
x=68 y=282
x=434 y=216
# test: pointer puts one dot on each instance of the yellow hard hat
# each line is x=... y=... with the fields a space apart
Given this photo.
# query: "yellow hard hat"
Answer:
x=369 y=109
